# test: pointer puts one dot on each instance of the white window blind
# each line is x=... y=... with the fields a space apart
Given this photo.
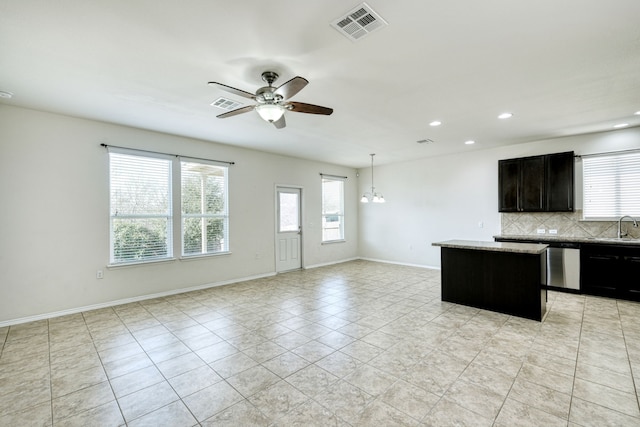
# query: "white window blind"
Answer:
x=140 y=208
x=611 y=185
x=205 y=214
x=332 y=209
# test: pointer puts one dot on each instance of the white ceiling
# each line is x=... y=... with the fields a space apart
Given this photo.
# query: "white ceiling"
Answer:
x=562 y=67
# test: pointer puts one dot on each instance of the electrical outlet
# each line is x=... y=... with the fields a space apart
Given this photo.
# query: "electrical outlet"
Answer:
x=553 y=231
x=99 y=274
x=541 y=231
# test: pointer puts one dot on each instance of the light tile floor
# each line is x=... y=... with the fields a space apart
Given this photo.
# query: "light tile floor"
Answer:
x=355 y=344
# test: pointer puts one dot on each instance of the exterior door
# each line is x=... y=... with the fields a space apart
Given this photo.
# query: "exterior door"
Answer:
x=288 y=229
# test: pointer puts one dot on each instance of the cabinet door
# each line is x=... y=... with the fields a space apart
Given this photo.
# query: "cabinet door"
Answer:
x=532 y=189
x=630 y=286
x=599 y=273
x=560 y=182
x=509 y=182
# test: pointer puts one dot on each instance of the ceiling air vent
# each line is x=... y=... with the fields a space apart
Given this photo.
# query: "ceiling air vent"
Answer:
x=226 y=104
x=359 y=22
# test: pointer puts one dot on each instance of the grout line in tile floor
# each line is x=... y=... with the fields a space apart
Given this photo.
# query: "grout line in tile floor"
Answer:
x=633 y=378
x=354 y=344
x=575 y=373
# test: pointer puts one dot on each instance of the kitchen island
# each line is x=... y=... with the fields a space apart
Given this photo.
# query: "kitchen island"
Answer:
x=504 y=277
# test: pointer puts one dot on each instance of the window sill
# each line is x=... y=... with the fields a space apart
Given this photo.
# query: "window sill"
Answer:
x=140 y=263
x=201 y=256
x=330 y=242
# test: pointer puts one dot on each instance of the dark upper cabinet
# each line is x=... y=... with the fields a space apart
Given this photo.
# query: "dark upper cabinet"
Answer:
x=536 y=184
x=532 y=188
x=559 y=179
x=509 y=189
x=521 y=184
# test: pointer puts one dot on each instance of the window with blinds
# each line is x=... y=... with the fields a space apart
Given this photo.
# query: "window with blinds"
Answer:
x=140 y=208
x=205 y=215
x=611 y=185
x=332 y=209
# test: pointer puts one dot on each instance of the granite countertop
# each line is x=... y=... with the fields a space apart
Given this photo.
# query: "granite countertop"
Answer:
x=524 y=248
x=551 y=238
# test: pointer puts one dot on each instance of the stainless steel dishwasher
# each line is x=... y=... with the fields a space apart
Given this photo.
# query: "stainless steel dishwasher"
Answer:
x=563 y=265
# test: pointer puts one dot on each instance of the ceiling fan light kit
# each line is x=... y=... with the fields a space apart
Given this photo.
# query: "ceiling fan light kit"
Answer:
x=270 y=112
x=272 y=101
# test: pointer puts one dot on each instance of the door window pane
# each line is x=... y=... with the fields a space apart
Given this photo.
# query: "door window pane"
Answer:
x=288 y=209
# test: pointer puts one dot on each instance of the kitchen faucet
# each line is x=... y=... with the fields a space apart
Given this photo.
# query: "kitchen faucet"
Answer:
x=635 y=224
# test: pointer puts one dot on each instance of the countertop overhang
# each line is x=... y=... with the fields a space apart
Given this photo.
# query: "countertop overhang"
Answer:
x=553 y=239
x=523 y=248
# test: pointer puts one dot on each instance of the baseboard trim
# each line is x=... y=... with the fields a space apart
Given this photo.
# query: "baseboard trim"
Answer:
x=127 y=300
x=428 y=267
x=326 y=264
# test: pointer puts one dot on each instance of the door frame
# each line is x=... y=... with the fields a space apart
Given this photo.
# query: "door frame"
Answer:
x=277 y=225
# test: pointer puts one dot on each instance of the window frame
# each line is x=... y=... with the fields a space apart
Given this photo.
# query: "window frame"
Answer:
x=340 y=212
x=169 y=216
x=615 y=176
x=175 y=217
x=224 y=216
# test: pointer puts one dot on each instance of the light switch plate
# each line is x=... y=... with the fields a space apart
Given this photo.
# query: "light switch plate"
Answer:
x=541 y=231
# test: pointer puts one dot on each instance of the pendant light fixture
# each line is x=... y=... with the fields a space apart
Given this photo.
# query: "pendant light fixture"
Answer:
x=372 y=196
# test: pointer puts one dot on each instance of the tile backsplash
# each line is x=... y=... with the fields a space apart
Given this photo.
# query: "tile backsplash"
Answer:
x=568 y=224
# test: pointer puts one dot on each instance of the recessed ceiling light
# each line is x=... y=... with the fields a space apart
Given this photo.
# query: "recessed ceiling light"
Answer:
x=470 y=142
x=435 y=123
x=5 y=95
x=637 y=113
x=621 y=125
x=505 y=116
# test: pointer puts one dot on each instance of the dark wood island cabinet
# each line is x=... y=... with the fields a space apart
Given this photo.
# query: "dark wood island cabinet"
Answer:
x=504 y=277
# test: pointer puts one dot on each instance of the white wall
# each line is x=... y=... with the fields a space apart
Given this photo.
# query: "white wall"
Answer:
x=442 y=198
x=54 y=215
x=54 y=198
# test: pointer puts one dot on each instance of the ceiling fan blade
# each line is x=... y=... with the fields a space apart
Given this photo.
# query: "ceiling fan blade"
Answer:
x=233 y=90
x=301 y=107
x=290 y=88
x=280 y=123
x=236 y=112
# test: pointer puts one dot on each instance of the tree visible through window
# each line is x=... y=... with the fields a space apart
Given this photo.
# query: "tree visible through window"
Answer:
x=142 y=196
x=205 y=219
x=141 y=215
x=332 y=209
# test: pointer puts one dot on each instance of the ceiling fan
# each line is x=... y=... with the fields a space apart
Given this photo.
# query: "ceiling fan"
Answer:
x=272 y=101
